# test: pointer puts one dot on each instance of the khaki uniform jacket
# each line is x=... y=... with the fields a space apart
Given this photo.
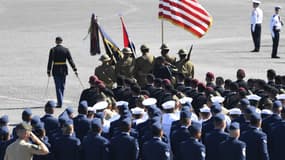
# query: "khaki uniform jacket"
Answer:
x=144 y=65
x=21 y=150
x=186 y=68
x=106 y=73
x=125 y=67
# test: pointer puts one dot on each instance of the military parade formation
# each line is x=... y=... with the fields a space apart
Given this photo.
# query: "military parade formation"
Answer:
x=153 y=108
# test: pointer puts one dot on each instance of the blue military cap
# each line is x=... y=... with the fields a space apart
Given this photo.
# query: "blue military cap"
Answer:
x=277 y=7
x=96 y=123
x=255 y=117
x=69 y=110
x=156 y=127
x=195 y=127
x=63 y=118
x=185 y=114
x=185 y=108
x=4 y=119
x=126 y=122
x=35 y=120
x=219 y=117
x=39 y=125
x=234 y=126
x=122 y=105
x=216 y=107
x=152 y=109
x=83 y=105
x=244 y=102
x=50 y=104
x=4 y=130
x=277 y=104
x=27 y=112
x=250 y=110
x=69 y=122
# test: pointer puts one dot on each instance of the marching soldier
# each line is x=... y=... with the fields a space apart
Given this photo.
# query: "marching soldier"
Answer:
x=106 y=71
x=57 y=64
x=144 y=65
x=275 y=27
x=126 y=66
x=256 y=20
x=164 y=53
x=184 y=65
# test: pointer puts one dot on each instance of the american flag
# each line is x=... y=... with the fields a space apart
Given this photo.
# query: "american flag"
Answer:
x=188 y=14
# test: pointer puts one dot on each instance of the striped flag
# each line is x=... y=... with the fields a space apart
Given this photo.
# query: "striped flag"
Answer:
x=126 y=38
x=188 y=14
x=94 y=36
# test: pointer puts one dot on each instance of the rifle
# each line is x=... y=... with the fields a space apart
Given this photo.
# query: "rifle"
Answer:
x=189 y=53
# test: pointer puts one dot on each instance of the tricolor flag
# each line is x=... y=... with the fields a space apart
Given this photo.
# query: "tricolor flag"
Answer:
x=188 y=14
x=94 y=36
x=112 y=50
x=127 y=40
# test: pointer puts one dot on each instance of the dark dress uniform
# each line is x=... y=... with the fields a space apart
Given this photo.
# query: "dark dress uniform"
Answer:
x=212 y=142
x=177 y=136
x=267 y=123
x=256 y=144
x=81 y=126
x=275 y=28
x=123 y=147
x=91 y=95
x=232 y=149
x=57 y=63
x=192 y=149
x=94 y=146
x=155 y=149
x=277 y=141
x=51 y=125
x=67 y=147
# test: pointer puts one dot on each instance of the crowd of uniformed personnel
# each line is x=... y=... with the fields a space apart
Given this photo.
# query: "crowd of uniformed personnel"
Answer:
x=157 y=110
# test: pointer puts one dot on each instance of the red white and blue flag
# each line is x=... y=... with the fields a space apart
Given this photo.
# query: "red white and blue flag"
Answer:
x=188 y=14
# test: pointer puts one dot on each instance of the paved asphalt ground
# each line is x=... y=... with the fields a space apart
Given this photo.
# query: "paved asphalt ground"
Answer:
x=28 y=29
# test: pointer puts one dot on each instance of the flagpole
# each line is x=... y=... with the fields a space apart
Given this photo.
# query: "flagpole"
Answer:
x=162 y=31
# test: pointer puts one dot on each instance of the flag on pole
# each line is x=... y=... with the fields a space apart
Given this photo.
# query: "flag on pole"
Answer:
x=188 y=14
x=94 y=36
x=112 y=50
x=127 y=40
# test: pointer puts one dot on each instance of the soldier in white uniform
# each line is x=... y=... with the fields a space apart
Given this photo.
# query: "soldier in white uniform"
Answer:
x=275 y=27
x=256 y=21
x=168 y=116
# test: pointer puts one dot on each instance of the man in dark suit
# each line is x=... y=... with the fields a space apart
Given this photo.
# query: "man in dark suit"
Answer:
x=81 y=123
x=94 y=146
x=232 y=148
x=123 y=146
x=255 y=139
x=156 y=149
x=50 y=122
x=215 y=137
x=275 y=117
x=57 y=64
x=67 y=146
x=191 y=148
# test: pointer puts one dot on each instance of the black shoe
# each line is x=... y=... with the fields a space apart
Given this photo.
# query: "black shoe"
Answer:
x=277 y=57
x=58 y=106
x=255 y=50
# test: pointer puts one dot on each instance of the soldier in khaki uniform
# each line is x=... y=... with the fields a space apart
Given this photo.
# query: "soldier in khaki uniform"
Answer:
x=106 y=71
x=126 y=66
x=144 y=65
x=164 y=53
x=22 y=148
x=184 y=65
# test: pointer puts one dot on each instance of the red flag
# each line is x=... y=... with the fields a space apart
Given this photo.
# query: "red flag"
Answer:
x=188 y=14
x=126 y=38
x=94 y=36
